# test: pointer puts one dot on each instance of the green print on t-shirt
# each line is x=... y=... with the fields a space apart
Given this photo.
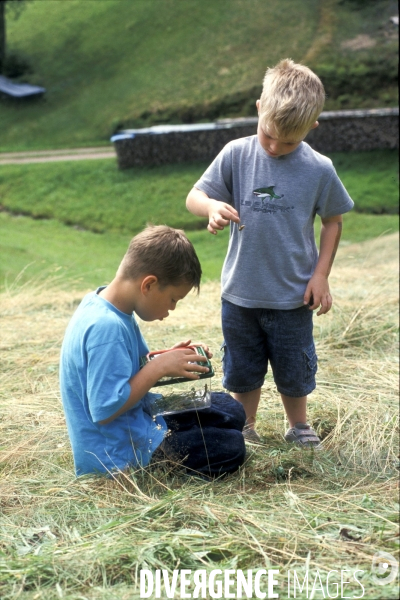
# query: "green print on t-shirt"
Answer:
x=268 y=207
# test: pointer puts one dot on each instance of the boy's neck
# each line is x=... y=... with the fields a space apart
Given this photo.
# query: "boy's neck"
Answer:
x=121 y=293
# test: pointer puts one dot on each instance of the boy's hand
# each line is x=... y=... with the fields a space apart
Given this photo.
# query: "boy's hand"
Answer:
x=219 y=215
x=179 y=363
x=318 y=294
x=190 y=343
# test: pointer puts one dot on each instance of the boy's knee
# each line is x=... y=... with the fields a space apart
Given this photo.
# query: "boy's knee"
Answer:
x=224 y=413
x=228 y=406
x=210 y=451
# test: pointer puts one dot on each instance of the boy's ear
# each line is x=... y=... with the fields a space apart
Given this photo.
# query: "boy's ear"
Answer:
x=148 y=283
x=258 y=106
x=316 y=124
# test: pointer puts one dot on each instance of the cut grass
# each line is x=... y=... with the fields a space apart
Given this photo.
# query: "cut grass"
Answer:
x=97 y=196
x=37 y=249
x=286 y=508
x=94 y=195
x=33 y=249
x=372 y=179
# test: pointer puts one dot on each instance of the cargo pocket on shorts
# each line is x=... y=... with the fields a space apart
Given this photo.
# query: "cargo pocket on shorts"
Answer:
x=310 y=360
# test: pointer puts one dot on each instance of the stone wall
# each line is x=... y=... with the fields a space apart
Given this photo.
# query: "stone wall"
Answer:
x=338 y=131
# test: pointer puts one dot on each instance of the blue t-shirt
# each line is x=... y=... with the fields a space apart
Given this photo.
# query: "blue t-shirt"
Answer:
x=100 y=353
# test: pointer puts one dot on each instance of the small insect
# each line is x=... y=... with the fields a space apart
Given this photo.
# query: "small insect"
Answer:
x=241 y=227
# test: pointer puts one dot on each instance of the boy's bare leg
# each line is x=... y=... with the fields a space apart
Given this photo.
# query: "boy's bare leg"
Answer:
x=250 y=401
x=295 y=408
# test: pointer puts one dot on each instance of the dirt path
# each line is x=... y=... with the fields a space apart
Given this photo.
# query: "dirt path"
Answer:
x=14 y=158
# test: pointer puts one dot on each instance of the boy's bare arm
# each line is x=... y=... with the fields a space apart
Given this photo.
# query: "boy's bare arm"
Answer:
x=219 y=213
x=317 y=292
x=176 y=364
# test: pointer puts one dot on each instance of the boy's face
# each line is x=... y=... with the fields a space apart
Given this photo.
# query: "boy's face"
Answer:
x=274 y=145
x=157 y=301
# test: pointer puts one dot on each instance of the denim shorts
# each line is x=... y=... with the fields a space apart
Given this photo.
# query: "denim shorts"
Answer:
x=254 y=337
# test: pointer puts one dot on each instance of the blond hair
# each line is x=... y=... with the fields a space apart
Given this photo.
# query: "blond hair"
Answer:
x=292 y=99
x=164 y=252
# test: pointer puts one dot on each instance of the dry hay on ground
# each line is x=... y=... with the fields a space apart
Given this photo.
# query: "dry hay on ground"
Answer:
x=286 y=507
x=356 y=343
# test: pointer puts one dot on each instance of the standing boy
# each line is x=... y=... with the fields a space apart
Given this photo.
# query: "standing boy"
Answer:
x=106 y=395
x=269 y=187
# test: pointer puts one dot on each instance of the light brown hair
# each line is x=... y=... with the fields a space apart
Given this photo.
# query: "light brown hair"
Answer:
x=164 y=252
x=292 y=99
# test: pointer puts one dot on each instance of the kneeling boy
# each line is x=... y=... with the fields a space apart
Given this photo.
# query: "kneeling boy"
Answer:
x=106 y=396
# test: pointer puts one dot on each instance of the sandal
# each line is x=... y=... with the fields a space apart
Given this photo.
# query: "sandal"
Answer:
x=303 y=435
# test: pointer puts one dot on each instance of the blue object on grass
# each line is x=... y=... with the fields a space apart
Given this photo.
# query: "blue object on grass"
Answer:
x=19 y=90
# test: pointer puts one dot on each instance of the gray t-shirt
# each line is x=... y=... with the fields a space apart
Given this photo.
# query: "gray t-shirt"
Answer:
x=271 y=260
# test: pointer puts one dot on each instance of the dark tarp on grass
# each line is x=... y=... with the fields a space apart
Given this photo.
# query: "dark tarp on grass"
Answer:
x=19 y=90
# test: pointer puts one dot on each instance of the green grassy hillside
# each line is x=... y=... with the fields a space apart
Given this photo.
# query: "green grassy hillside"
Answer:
x=113 y=63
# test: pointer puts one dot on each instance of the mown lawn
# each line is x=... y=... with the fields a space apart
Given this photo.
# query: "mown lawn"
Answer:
x=97 y=196
x=86 y=212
